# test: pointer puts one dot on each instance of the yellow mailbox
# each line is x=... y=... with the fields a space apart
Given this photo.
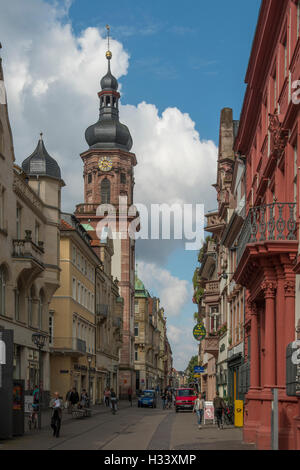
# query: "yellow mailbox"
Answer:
x=239 y=413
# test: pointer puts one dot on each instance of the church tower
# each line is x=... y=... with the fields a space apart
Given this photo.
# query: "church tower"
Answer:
x=108 y=174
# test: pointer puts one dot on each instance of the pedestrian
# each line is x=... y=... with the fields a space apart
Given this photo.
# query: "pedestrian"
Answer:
x=73 y=398
x=56 y=405
x=113 y=401
x=169 y=399
x=35 y=403
x=84 y=399
x=130 y=395
x=163 y=398
x=219 y=406
x=107 y=396
x=199 y=408
x=68 y=403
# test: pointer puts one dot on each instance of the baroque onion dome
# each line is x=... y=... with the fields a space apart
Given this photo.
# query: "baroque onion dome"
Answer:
x=109 y=132
x=41 y=163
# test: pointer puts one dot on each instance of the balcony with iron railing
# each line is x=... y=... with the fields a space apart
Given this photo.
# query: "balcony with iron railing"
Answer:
x=270 y=223
x=68 y=345
x=102 y=312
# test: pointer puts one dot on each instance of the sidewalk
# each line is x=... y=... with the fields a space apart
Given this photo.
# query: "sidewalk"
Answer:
x=66 y=417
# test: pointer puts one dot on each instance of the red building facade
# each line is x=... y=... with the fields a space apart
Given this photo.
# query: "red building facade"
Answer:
x=268 y=247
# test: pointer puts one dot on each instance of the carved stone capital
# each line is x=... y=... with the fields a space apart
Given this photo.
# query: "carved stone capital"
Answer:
x=290 y=289
x=269 y=289
x=252 y=307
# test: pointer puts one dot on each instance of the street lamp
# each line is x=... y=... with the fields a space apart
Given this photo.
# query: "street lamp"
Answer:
x=89 y=358
x=39 y=339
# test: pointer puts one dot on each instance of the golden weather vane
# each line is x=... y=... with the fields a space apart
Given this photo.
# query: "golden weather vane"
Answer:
x=108 y=53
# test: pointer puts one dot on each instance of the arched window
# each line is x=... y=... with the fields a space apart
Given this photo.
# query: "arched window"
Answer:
x=3 y=278
x=30 y=306
x=41 y=309
x=105 y=191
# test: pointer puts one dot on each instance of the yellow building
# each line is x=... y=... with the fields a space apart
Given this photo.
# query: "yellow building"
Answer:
x=151 y=353
x=72 y=312
x=109 y=322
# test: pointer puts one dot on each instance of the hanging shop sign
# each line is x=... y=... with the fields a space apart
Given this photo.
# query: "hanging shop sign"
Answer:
x=199 y=332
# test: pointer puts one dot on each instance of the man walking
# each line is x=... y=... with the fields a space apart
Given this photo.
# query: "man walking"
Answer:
x=219 y=406
x=56 y=405
x=199 y=408
x=73 y=398
x=130 y=395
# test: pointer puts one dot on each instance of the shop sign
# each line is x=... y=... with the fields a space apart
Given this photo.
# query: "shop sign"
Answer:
x=199 y=332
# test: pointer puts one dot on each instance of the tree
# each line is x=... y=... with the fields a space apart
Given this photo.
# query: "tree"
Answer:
x=190 y=369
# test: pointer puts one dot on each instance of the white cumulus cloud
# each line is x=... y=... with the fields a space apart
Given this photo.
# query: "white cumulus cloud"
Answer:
x=173 y=292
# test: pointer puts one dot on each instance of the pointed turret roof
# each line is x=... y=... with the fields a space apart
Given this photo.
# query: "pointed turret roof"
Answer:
x=41 y=163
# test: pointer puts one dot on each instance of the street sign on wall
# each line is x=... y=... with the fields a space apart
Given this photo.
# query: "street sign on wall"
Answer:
x=199 y=370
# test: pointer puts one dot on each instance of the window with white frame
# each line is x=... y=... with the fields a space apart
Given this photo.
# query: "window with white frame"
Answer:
x=74 y=288
x=74 y=255
x=78 y=292
x=2 y=192
x=2 y=289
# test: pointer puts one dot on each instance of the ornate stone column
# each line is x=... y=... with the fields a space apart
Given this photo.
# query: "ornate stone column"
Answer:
x=254 y=352
x=289 y=293
x=269 y=288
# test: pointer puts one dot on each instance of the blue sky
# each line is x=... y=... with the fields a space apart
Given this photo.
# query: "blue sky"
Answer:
x=192 y=55
x=178 y=64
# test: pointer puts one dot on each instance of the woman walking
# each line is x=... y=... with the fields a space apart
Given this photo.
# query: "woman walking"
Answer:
x=107 y=396
x=199 y=408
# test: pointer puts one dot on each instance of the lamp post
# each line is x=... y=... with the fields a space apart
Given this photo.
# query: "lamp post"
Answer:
x=89 y=358
x=39 y=339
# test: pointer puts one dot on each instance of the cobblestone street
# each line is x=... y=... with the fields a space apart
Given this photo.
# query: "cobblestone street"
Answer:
x=132 y=429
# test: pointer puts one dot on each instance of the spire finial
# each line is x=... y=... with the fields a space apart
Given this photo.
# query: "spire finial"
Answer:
x=41 y=136
x=108 y=53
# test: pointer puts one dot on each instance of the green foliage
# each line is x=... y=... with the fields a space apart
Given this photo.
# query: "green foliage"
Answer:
x=199 y=293
x=190 y=368
x=204 y=248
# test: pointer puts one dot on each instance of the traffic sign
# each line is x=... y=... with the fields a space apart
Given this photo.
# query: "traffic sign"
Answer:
x=198 y=370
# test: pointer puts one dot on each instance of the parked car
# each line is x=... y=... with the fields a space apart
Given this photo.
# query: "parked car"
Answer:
x=184 y=399
x=148 y=398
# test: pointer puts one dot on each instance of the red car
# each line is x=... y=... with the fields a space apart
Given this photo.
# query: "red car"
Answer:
x=184 y=399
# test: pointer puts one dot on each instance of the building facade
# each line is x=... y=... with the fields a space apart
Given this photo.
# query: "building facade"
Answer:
x=109 y=176
x=30 y=199
x=268 y=247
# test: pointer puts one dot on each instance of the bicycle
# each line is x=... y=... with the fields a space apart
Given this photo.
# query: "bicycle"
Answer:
x=33 y=419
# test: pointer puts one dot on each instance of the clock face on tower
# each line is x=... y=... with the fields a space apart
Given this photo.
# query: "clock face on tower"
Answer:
x=105 y=164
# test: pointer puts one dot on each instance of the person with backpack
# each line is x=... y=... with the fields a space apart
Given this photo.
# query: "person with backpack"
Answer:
x=219 y=406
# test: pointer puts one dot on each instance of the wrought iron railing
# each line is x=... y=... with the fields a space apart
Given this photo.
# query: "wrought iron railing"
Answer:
x=102 y=310
x=269 y=222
